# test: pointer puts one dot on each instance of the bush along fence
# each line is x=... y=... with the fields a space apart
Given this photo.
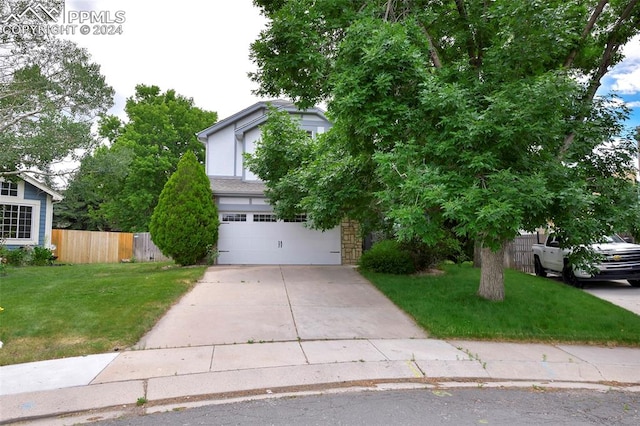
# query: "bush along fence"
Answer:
x=104 y=247
x=24 y=256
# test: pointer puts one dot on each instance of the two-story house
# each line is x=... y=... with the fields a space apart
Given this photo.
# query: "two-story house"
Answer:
x=249 y=231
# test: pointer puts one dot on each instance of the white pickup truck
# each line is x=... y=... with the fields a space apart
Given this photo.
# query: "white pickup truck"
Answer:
x=621 y=261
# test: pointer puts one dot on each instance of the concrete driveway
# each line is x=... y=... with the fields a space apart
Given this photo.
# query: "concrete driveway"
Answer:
x=617 y=292
x=247 y=304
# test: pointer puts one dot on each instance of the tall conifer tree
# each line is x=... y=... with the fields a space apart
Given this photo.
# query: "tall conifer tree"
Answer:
x=184 y=224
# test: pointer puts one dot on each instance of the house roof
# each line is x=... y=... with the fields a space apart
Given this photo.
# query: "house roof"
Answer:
x=56 y=196
x=236 y=186
x=280 y=104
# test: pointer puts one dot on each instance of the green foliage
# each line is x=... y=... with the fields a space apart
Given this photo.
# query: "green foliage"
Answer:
x=313 y=176
x=25 y=256
x=211 y=254
x=50 y=93
x=476 y=117
x=41 y=256
x=117 y=187
x=283 y=147
x=448 y=248
x=184 y=224
x=98 y=179
x=17 y=257
x=298 y=65
x=387 y=257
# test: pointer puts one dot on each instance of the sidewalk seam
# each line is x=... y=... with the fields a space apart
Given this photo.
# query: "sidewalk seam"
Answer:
x=286 y=291
x=213 y=354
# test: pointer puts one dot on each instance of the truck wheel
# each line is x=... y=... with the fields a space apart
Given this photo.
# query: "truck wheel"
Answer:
x=634 y=283
x=537 y=266
x=569 y=277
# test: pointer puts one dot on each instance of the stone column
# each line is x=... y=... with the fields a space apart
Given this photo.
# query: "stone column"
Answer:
x=351 y=242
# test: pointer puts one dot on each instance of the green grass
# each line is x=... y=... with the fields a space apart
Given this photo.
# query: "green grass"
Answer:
x=55 y=312
x=534 y=310
x=62 y=311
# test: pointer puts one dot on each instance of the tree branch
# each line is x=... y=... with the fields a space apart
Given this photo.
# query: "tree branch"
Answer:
x=613 y=45
x=37 y=172
x=587 y=29
x=433 y=53
x=471 y=46
x=387 y=13
x=6 y=125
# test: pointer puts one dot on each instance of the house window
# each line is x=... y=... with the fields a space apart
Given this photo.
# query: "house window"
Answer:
x=9 y=189
x=234 y=217
x=16 y=221
x=298 y=218
x=264 y=218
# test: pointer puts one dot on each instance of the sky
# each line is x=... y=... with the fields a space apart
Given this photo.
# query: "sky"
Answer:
x=198 y=48
x=201 y=49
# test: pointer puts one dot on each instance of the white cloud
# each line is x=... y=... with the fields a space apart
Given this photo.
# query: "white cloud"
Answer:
x=627 y=82
x=626 y=75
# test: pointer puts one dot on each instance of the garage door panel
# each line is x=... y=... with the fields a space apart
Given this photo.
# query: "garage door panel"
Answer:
x=277 y=243
x=313 y=257
x=249 y=257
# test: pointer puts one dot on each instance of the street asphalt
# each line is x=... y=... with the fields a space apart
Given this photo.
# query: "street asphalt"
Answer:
x=265 y=331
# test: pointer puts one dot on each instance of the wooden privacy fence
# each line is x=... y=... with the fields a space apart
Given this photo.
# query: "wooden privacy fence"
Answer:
x=145 y=251
x=92 y=247
x=104 y=247
x=519 y=254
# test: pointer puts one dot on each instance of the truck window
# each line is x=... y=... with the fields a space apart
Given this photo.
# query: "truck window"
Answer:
x=553 y=241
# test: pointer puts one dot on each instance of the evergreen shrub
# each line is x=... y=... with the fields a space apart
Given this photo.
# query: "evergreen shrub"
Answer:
x=184 y=224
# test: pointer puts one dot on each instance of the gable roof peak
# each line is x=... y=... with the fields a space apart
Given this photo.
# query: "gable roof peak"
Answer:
x=282 y=104
x=55 y=195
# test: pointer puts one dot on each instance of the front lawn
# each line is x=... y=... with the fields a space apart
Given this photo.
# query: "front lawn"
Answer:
x=62 y=311
x=535 y=309
x=54 y=312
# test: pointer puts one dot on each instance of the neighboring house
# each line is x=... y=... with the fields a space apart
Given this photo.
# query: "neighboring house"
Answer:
x=26 y=211
x=249 y=231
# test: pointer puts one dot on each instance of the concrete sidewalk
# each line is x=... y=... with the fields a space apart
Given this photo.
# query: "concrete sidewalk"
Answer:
x=265 y=331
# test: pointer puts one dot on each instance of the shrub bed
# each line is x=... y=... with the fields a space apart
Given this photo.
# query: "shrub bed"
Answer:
x=388 y=257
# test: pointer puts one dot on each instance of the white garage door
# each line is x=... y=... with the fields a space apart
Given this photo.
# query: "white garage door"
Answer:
x=259 y=239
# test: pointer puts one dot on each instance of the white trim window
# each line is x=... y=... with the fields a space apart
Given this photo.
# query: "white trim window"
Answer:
x=8 y=189
x=234 y=217
x=264 y=217
x=17 y=222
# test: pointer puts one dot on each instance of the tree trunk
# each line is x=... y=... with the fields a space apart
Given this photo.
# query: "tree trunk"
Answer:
x=477 y=253
x=492 y=274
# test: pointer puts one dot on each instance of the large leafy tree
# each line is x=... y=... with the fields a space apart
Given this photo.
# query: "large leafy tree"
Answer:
x=118 y=186
x=50 y=93
x=479 y=114
x=99 y=178
x=185 y=222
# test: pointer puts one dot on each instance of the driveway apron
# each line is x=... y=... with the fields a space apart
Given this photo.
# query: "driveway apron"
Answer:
x=246 y=304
